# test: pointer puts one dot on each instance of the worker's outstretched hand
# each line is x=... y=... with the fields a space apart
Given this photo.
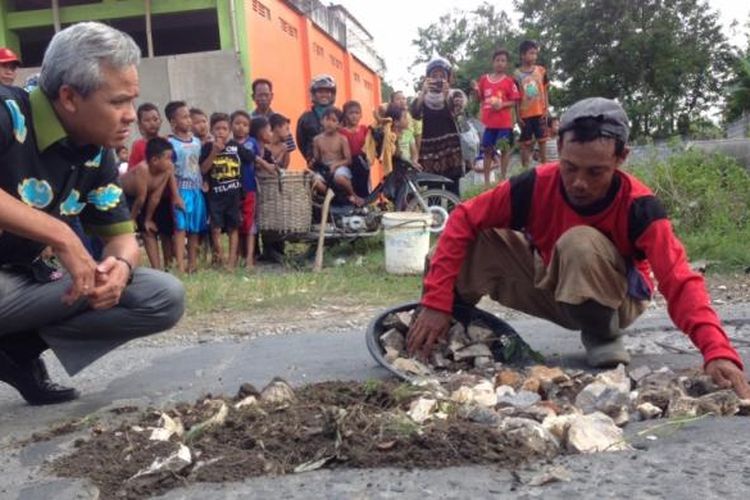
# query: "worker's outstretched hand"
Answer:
x=726 y=374
x=429 y=326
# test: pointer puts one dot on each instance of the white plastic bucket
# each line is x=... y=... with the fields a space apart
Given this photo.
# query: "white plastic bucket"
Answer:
x=407 y=241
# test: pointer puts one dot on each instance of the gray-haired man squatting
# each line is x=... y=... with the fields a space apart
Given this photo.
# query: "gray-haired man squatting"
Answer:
x=56 y=163
x=575 y=242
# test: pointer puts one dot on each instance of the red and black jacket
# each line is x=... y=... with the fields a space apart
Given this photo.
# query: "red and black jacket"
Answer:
x=630 y=216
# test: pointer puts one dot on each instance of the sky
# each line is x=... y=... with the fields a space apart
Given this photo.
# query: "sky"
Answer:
x=393 y=25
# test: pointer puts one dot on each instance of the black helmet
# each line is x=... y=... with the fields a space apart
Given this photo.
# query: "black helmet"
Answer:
x=323 y=81
x=438 y=62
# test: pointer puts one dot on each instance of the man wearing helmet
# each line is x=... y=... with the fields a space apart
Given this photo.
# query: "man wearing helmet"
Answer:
x=323 y=94
x=9 y=63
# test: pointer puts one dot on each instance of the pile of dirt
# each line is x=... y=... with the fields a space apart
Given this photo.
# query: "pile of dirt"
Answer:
x=280 y=431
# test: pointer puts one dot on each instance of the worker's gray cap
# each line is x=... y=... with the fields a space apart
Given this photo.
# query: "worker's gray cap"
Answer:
x=614 y=120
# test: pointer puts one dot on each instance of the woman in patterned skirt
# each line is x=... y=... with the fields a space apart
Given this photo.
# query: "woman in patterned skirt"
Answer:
x=440 y=150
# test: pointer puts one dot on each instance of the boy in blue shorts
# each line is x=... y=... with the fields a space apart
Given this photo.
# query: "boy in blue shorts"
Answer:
x=190 y=221
x=498 y=94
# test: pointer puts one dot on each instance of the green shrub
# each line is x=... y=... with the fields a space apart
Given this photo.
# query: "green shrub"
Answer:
x=707 y=197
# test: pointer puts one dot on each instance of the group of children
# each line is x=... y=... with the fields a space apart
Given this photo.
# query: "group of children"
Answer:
x=200 y=181
x=526 y=94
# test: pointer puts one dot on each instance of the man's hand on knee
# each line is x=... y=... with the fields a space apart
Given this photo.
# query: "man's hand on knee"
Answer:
x=429 y=326
x=78 y=262
x=111 y=279
x=726 y=374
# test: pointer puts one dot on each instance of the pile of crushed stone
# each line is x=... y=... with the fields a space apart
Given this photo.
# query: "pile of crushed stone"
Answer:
x=505 y=418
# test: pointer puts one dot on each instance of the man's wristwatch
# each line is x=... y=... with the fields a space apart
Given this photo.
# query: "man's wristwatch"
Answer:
x=130 y=268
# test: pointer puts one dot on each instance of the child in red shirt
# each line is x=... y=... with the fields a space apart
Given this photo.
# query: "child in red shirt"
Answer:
x=355 y=134
x=497 y=93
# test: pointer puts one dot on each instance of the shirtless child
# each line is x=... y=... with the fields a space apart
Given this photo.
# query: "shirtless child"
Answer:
x=279 y=146
x=331 y=155
x=143 y=185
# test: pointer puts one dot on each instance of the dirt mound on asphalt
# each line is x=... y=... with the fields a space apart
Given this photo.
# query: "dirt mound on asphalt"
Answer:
x=333 y=424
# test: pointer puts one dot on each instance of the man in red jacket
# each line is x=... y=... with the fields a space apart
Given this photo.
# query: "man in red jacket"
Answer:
x=574 y=242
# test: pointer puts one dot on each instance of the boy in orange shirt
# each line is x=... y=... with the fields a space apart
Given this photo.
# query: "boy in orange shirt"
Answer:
x=534 y=104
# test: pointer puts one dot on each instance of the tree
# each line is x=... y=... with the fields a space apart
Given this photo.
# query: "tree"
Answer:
x=665 y=60
x=467 y=40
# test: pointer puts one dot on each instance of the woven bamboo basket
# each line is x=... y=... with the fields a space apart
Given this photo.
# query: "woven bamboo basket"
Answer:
x=285 y=203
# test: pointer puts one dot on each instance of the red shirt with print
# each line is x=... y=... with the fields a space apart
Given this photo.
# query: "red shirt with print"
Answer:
x=504 y=89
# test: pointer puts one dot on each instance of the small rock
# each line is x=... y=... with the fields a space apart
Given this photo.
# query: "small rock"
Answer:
x=457 y=338
x=521 y=399
x=410 y=365
x=479 y=333
x=637 y=374
x=484 y=394
x=394 y=321
x=529 y=436
x=558 y=425
x=421 y=409
x=248 y=401
x=277 y=391
x=531 y=385
x=551 y=405
x=480 y=415
x=508 y=377
x=393 y=339
x=683 y=406
x=547 y=374
x=535 y=412
x=458 y=332
x=167 y=428
x=405 y=318
x=391 y=354
x=472 y=351
x=462 y=395
x=608 y=393
x=649 y=411
x=482 y=361
x=720 y=403
x=175 y=462
x=438 y=360
x=594 y=433
x=699 y=385
x=504 y=390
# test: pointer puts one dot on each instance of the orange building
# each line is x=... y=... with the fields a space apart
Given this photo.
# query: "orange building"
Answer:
x=285 y=41
x=288 y=48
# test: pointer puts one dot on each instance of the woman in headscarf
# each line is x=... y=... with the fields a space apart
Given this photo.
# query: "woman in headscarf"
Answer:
x=440 y=150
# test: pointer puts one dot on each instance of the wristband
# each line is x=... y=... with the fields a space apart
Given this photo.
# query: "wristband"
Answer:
x=130 y=268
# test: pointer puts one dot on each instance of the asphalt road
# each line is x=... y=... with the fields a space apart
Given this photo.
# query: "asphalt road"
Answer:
x=704 y=460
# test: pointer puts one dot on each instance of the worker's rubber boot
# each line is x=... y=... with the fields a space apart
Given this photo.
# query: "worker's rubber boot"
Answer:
x=600 y=333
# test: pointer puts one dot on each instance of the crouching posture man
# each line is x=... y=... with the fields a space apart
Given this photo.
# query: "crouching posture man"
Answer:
x=57 y=164
x=574 y=242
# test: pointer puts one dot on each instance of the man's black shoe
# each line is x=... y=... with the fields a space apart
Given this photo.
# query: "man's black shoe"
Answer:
x=31 y=379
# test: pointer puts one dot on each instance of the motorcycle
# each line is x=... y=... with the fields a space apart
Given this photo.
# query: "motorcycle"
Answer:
x=406 y=188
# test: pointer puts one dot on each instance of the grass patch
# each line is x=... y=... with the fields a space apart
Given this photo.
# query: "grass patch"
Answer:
x=707 y=197
x=359 y=279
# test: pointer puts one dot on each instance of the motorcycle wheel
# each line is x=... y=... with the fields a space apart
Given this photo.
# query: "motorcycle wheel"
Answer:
x=435 y=198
